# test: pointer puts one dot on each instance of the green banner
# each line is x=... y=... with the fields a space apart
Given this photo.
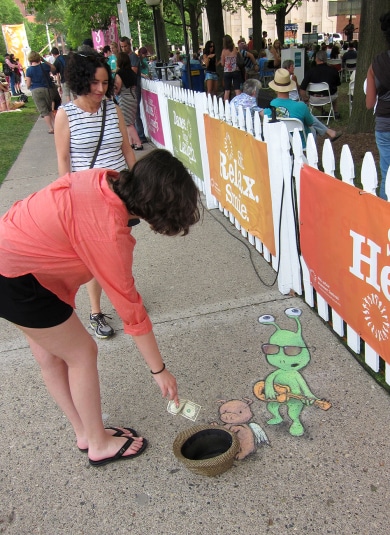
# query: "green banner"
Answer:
x=185 y=136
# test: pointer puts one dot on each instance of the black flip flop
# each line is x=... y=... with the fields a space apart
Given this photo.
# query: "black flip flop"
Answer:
x=118 y=433
x=119 y=455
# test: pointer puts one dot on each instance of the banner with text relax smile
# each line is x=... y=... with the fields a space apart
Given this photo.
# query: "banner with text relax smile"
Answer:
x=240 y=178
x=345 y=241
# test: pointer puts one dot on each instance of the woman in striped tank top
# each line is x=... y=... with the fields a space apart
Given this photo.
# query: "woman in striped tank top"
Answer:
x=77 y=131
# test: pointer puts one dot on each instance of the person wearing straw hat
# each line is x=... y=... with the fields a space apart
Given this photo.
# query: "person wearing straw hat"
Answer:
x=285 y=107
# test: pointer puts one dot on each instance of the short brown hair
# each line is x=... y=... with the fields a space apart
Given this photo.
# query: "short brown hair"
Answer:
x=34 y=56
x=160 y=190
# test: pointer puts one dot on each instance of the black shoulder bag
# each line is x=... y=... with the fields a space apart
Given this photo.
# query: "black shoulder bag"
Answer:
x=101 y=135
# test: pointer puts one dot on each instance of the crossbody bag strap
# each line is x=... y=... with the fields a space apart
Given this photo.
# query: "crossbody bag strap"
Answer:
x=101 y=135
x=47 y=76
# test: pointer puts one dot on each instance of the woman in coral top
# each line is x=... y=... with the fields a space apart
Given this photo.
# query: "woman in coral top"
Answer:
x=57 y=239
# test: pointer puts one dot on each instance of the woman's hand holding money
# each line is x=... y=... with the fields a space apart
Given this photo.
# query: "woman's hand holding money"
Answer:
x=168 y=385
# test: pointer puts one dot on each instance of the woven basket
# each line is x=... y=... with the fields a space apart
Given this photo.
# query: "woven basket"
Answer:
x=206 y=450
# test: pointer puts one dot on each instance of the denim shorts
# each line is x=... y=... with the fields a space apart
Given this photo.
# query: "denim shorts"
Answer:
x=211 y=76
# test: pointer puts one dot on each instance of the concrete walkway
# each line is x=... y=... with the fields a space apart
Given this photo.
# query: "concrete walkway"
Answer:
x=204 y=298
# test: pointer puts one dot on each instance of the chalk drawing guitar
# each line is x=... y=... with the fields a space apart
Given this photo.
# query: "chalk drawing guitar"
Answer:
x=287 y=352
x=236 y=415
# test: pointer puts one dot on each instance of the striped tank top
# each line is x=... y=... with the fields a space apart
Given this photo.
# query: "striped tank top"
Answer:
x=85 y=130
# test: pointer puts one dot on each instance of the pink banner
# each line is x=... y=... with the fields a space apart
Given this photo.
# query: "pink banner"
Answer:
x=153 y=117
x=101 y=38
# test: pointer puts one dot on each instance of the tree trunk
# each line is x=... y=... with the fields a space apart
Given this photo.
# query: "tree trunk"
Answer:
x=194 y=25
x=215 y=19
x=161 y=33
x=257 y=25
x=371 y=43
x=280 y=21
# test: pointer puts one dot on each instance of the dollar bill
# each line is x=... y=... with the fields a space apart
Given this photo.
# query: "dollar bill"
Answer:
x=190 y=410
x=176 y=410
x=186 y=408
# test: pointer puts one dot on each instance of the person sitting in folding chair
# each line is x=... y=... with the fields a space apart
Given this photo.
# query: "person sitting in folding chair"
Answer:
x=322 y=73
x=287 y=108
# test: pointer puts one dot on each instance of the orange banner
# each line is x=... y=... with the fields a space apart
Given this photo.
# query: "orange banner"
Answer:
x=240 y=178
x=345 y=241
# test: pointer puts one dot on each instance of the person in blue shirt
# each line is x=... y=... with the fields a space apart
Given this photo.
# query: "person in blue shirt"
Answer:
x=248 y=97
x=285 y=107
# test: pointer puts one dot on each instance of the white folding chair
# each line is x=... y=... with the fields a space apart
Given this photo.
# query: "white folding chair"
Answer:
x=293 y=123
x=350 y=95
x=349 y=68
x=319 y=100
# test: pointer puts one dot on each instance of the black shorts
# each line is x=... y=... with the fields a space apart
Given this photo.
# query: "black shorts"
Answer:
x=24 y=301
x=229 y=77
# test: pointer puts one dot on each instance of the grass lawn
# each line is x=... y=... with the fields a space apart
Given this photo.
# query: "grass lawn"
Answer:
x=14 y=129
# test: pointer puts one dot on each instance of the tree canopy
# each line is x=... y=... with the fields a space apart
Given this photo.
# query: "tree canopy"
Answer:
x=10 y=14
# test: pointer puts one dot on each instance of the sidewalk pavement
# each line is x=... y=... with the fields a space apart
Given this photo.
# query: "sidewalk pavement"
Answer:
x=204 y=299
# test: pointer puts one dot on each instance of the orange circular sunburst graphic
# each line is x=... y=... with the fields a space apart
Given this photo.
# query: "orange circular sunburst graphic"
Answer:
x=375 y=315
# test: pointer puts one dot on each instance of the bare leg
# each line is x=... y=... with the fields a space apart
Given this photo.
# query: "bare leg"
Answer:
x=49 y=120
x=94 y=291
x=67 y=356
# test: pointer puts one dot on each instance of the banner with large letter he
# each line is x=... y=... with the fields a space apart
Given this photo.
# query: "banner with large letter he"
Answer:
x=345 y=241
x=239 y=178
x=185 y=136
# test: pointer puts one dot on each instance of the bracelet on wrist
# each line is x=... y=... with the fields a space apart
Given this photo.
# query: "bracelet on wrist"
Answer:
x=160 y=371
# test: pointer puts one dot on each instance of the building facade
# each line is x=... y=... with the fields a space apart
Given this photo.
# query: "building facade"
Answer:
x=314 y=12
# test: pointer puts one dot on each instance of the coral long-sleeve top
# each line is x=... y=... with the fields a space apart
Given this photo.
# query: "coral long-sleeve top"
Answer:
x=69 y=232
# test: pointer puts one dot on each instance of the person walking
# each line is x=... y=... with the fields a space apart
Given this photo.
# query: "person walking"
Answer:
x=378 y=97
x=210 y=62
x=59 y=64
x=125 y=45
x=56 y=239
x=112 y=57
x=9 y=71
x=231 y=70
x=125 y=85
x=79 y=126
x=39 y=82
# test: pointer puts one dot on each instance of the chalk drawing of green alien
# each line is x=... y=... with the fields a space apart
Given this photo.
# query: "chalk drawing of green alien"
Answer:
x=287 y=351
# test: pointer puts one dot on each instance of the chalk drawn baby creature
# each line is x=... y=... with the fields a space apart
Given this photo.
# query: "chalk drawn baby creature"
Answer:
x=236 y=415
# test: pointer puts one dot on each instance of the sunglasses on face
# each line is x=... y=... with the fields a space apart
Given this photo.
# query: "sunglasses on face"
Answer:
x=289 y=351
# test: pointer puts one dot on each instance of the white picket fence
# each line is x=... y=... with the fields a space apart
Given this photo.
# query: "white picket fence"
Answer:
x=293 y=274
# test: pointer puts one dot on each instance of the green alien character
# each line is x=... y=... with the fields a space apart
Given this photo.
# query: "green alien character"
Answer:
x=287 y=351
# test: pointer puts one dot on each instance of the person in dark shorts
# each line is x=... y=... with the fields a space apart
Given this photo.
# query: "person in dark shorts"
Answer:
x=57 y=239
